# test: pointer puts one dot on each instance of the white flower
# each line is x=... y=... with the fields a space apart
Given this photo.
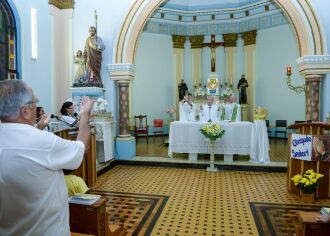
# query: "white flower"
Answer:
x=102 y=107
x=100 y=104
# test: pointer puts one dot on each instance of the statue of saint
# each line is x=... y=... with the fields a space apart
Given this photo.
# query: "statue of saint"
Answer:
x=93 y=56
x=242 y=85
x=79 y=61
x=183 y=89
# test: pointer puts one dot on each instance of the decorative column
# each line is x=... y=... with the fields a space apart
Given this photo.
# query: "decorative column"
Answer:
x=123 y=86
x=230 y=41
x=250 y=39
x=313 y=68
x=196 y=43
x=312 y=97
x=123 y=74
x=178 y=55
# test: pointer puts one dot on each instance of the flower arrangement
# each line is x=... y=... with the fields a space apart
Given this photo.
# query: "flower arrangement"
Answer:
x=170 y=110
x=308 y=181
x=212 y=131
x=200 y=92
x=100 y=105
x=228 y=92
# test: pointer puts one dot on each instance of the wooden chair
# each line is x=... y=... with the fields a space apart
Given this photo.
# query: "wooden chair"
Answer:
x=281 y=128
x=141 y=126
x=159 y=128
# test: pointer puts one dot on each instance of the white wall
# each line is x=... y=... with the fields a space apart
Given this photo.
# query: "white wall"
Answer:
x=37 y=73
x=152 y=88
x=276 y=49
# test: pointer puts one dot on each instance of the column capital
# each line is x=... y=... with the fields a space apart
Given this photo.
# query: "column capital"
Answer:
x=121 y=72
x=196 y=41
x=230 y=40
x=178 y=41
x=249 y=37
x=313 y=78
x=62 y=4
x=314 y=64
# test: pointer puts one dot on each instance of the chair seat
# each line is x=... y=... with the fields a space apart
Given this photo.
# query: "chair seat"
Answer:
x=141 y=126
x=158 y=128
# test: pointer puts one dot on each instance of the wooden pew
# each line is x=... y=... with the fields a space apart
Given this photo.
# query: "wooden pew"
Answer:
x=87 y=169
x=296 y=166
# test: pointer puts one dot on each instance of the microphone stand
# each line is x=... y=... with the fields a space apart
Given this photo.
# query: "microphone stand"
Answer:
x=209 y=114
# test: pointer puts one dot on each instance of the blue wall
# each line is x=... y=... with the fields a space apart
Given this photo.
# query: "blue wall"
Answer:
x=276 y=49
x=152 y=88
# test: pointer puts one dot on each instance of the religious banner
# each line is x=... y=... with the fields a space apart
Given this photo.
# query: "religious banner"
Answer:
x=212 y=85
x=310 y=147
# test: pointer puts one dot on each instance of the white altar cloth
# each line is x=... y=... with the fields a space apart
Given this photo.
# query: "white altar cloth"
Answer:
x=186 y=137
x=259 y=142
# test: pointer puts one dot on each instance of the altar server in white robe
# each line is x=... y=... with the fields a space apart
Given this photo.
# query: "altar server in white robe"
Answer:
x=209 y=112
x=230 y=110
x=187 y=109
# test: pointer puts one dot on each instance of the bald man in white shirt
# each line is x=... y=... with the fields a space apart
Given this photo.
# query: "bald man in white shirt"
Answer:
x=33 y=194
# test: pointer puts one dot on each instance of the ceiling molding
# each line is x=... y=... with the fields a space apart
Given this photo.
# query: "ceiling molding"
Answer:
x=62 y=4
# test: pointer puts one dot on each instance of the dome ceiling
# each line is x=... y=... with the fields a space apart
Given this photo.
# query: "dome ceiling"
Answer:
x=206 y=17
x=206 y=5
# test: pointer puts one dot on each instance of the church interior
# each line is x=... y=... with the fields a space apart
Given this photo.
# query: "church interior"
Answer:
x=157 y=172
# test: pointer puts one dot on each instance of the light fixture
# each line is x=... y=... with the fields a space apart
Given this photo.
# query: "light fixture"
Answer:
x=297 y=89
x=34 y=34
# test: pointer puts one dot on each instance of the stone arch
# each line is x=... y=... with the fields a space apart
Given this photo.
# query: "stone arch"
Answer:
x=310 y=41
x=307 y=29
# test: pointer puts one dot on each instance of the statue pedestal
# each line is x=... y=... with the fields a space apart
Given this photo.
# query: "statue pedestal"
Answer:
x=93 y=92
x=244 y=112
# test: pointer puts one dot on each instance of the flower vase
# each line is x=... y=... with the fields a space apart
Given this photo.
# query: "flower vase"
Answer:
x=211 y=168
x=307 y=197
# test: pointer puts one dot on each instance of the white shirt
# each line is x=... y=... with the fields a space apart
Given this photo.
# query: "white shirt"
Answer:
x=209 y=113
x=33 y=194
x=186 y=111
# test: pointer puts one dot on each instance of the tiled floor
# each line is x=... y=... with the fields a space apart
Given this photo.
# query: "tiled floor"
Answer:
x=200 y=202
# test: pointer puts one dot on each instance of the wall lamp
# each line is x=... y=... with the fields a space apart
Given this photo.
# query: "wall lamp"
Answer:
x=297 y=89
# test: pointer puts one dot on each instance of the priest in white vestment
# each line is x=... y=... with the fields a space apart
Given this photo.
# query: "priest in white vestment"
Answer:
x=230 y=110
x=209 y=112
x=187 y=109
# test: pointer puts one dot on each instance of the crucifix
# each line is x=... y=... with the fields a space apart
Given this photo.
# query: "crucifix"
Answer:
x=213 y=45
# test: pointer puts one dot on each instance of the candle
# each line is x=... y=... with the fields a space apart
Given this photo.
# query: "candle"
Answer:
x=288 y=70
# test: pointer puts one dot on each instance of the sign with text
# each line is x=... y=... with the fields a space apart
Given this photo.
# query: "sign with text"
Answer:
x=310 y=147
x=301 y=147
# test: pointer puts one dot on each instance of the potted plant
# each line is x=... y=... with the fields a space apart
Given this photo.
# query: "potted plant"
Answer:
x=308 y=183
x=212 y=131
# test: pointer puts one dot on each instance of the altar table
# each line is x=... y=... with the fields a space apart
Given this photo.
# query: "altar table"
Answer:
x=186 y=137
